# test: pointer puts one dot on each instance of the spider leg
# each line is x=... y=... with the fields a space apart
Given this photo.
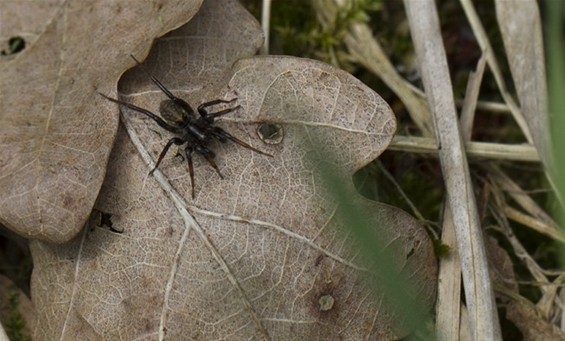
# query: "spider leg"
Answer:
x=154 y=79
x=175 y=140
x=209 y=156
x=222 y=135
x=188 y=152
x=146 y=112
x=166 y=91
x=212 y=116
x=202 y=108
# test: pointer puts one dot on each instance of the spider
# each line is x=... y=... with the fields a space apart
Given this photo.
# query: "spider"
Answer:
x=197 y=132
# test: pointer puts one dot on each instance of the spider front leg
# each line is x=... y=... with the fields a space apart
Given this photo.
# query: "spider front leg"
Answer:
x=162 y=123
x=209 y=117
x=175 y=140
x=180 y=102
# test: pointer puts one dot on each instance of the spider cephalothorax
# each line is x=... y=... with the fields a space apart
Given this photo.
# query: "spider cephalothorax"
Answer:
x=196 y=131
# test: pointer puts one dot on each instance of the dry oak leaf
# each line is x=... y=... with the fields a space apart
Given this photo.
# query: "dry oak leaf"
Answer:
x=257 y=255
x=54 y=141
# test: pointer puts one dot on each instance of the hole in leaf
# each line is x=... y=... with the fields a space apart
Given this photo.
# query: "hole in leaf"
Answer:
x=15 y=45
x=271 y=133
x=106 y=220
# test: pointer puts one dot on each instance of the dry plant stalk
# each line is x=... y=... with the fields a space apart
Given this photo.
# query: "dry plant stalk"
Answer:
x=528 y=69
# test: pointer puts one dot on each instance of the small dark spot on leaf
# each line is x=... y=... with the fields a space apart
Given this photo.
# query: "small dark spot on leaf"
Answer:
x=68 y=200
x=149 y=326
x=319 y=260
x=410 y=253
x=323 y=76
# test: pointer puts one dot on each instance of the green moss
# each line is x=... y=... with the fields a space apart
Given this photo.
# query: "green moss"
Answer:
x=296 y=31
x=14 y=323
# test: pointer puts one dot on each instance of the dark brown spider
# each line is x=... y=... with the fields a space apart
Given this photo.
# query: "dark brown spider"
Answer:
x=196 y=131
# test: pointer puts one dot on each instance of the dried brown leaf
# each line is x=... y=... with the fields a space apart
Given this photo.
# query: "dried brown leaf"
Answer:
x=257 y=255
x=55 y=139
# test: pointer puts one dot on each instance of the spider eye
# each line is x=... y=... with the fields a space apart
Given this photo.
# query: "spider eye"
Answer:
x=172 y=112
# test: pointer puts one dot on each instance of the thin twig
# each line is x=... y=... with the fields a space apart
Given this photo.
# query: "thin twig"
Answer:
x=266 y=25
